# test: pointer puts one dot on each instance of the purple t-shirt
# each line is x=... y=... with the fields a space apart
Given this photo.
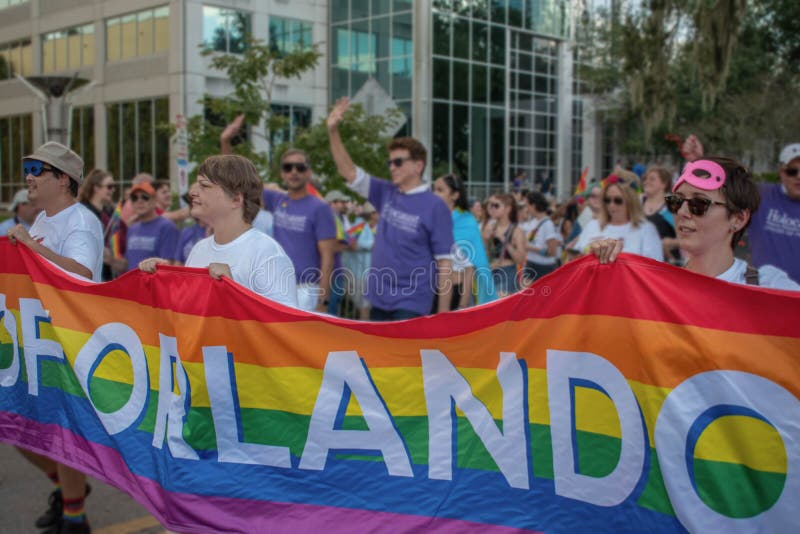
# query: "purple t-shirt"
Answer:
x=151 y=239
x=189 y=236
x=413 y=230
x=298 y=226
x=774 y=233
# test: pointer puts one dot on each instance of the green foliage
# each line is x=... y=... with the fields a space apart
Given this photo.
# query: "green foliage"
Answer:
x=253 y=74
x=362 y=137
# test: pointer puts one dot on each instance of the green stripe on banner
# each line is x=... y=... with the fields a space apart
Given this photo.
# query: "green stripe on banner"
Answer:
x=736 y=490
x=6 y=355
x=731 y=489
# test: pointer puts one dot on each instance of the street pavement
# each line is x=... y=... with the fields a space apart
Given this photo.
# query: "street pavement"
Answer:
x=23 y=497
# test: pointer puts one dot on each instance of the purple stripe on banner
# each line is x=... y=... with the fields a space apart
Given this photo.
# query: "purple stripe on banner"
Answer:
x=200 y=514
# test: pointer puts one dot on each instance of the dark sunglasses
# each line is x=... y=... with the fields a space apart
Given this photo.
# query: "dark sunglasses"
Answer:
x=397 y=162
x=35 y=168
x=287 y=167
x=137 y=198
x=619 y=201
x=495 y=205
x=792 y=171
x=697 y=206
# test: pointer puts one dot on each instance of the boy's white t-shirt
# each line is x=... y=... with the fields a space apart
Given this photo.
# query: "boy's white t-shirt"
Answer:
x=75 y=233
x=257 y=262
x=642 y=240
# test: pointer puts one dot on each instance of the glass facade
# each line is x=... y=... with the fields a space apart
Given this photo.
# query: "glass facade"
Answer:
x=16 y=58
x=372 y=39
x=8 y=3
x=288 y=35
x=68 y=49
x=82 y=135
x=225 y=30
x=137 y=34
x=299 y=118
x=138 y=138
x=16 y=141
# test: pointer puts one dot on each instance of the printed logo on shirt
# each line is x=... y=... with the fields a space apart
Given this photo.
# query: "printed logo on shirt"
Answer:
x=407 y=222
x=141 y=242
x=782 y=223
x=294 y=223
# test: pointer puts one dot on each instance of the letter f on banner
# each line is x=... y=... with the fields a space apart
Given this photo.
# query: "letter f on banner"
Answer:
x=563 y=368
x=443 y=385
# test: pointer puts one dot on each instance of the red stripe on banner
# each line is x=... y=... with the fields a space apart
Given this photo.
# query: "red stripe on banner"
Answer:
x=621 y=289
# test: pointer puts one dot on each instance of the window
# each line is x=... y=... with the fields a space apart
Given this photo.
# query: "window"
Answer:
x=225 y=30
x=138 y=138
x=289 y=35
x=82 y=135
x=16 y=58
x=137 y=34
x=68 y=49
x=8 y=3
x=16 y=142
x=299 y=118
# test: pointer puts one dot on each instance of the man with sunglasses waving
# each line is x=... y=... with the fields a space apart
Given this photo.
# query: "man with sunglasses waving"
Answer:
x=415 y=231
x=713 y=202
x=67 y=234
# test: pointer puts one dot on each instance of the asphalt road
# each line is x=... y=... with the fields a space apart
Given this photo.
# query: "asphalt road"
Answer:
x=23 y=497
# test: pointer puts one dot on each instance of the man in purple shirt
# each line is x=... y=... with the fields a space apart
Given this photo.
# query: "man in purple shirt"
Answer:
x=411 y=260
x=774 y=232
x=151 y=235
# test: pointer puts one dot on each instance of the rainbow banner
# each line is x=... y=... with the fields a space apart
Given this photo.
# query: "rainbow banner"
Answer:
x=607 y=398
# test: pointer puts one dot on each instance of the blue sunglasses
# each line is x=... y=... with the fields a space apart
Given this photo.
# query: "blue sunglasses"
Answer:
x=35 y=168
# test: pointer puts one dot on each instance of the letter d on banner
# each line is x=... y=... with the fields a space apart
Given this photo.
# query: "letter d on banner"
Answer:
x=614 y=488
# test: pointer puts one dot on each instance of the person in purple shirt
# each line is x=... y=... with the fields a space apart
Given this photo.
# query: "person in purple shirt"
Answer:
x=151 y=235
x=191 y=234
x=775 y=231
x=411 y=260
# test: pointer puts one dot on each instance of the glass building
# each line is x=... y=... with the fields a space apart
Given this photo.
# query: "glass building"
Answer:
x=484 y=83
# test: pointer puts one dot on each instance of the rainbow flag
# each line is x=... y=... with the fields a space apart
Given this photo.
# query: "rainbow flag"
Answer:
x=354 y=231
x=561 y=408
x=113 y=232
x=581 y=187
x=313 y=191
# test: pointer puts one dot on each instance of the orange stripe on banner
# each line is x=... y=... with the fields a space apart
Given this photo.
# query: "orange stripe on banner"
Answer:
x=648 y=352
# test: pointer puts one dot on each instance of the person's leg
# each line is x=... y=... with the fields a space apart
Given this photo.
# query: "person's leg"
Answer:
x=54 y=503
x=73 y=491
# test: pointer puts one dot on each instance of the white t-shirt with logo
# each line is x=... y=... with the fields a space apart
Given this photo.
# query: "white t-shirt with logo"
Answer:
x=642 y=240
x=257 y=262
x=75 y=233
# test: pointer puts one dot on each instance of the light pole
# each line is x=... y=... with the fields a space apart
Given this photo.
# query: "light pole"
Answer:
x=56 y=94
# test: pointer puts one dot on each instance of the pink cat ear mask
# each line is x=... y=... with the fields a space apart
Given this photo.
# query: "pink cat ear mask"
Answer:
x=710 y=182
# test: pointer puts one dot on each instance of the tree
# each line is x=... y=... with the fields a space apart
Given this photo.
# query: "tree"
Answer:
x=253 y=73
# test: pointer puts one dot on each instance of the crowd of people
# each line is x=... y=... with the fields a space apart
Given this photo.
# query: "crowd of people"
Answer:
x=409 y=250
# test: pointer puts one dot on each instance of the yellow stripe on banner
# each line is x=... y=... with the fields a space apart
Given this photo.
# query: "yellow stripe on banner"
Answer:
x=763 y=449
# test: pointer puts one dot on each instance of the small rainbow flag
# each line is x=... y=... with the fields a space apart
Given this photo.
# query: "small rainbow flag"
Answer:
x=354 y=231
x=581 y=187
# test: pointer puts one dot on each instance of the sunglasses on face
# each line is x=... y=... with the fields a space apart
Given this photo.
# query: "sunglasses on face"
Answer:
x=697 y=206
x=619 y=201
x=287 y=167
x=110 y=187
x=136 y=198
x=792 y=171
x=36 y=168
x=495 y=205
x=396 y=162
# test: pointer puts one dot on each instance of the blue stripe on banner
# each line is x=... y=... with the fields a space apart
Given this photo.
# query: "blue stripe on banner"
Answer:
x=472 y=495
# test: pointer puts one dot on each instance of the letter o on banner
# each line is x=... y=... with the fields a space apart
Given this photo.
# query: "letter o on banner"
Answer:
x=107 y=338
x=690 y=400
x=10 y=374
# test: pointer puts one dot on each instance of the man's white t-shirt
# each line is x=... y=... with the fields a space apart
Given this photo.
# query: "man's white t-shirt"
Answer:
x=75 y=233
x=543 y=230
x=768 y=276
x=257 y=262
x=642 y=240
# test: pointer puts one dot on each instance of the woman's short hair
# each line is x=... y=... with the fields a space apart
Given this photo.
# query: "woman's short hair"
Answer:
x=740 y=191
x=235 y=175
x=538 y=201
x=663 y=174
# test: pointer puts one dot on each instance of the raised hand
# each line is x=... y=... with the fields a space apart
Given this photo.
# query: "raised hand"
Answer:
x=232 y=129
x=337 y=113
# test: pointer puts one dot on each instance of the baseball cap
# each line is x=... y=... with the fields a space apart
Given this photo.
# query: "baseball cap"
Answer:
x=368 y=208
x=21 y=197
x=335 y=195
x=60 y=157
x=789 y=153
x=143 y=187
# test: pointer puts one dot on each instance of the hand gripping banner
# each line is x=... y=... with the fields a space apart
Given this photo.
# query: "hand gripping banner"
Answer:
x=620 y=398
